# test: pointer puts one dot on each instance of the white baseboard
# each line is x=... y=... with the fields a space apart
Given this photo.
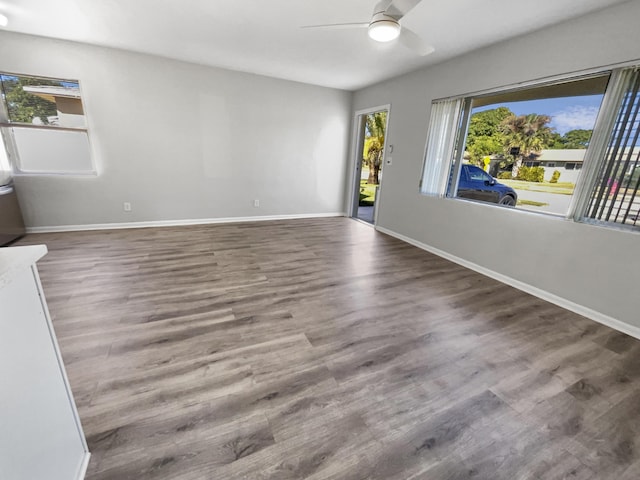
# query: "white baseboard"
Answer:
x=84 y=465
x=176 y=223
x=525 y=287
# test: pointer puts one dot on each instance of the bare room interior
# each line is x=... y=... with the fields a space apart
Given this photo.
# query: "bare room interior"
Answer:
x=363 y=240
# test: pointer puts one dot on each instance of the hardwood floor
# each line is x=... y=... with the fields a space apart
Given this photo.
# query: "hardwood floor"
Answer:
x=321 y=349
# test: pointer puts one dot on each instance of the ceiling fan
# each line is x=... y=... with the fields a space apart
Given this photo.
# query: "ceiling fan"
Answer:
x=385 y=26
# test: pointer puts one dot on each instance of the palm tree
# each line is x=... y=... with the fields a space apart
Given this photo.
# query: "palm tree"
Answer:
x=374 y=144
x=527 y=133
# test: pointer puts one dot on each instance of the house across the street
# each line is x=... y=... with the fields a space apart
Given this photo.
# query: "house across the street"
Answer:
x=567 y=162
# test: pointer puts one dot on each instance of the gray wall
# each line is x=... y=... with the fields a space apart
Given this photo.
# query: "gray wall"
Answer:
x=591 y=266
x=181 y=141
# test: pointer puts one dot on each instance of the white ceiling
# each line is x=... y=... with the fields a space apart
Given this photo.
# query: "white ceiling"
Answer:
x=263 y=36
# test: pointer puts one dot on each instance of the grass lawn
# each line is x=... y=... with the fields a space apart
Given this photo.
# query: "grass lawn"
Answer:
x=532 y=203
x=560 y=188
x=367 y=194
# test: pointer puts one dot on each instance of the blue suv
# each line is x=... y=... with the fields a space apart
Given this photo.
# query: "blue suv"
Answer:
x=476 y=184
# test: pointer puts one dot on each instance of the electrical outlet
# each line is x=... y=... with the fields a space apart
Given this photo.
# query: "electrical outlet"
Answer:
x=256 y=203
x=126 y=206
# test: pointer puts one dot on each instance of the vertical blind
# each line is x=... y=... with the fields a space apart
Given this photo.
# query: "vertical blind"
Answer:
x=443 y=127
x=615 y=196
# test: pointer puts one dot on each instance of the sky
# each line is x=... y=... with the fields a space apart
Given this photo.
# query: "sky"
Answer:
x=567 y=113
x=64 y=83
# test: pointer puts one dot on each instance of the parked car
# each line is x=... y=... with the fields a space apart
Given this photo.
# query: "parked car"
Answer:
x=476 y=184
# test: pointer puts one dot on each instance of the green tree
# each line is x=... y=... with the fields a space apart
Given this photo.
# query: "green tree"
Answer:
x=486 y=123
x=528 y=133
x=23 y=106
x=484 y=137
x=556 y=141
x=572 y=139
x=577 y=138
x=373 y=150
x=483 y=147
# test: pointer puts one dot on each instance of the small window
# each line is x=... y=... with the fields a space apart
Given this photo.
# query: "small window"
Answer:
x=44 y=120
x=550 y=164
x=477 y=175
x=569 y=166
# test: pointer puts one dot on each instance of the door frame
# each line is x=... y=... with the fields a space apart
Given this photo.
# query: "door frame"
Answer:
x=357 y=144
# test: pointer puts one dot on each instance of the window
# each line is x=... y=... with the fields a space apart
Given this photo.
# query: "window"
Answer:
x=512 y=133
x=476 y=174
x=569 y=148
x=44 y=122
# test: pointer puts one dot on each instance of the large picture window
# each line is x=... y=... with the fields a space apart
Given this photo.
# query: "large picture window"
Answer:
x=44 y=122
x=569 y=148
x=524 y=148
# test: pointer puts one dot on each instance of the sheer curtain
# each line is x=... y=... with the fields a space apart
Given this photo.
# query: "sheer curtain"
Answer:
x=443 y=129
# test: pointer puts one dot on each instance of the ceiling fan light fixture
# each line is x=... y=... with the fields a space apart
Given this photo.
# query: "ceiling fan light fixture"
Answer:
x=383 y=28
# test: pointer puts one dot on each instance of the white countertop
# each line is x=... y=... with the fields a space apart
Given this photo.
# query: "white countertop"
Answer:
x=16 y=259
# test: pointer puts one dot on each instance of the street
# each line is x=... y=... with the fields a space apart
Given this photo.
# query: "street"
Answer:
x=556 y=203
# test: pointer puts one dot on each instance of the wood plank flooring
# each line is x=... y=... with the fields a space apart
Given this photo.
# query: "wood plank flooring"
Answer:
x=322 y=349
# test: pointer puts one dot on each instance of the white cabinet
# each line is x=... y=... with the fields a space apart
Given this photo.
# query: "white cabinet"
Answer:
x=40 y=432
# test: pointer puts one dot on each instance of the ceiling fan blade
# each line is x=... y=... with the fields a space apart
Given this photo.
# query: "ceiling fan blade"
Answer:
x=413 y=42
x=399 y=8
x=334 y=26
x=382 y=6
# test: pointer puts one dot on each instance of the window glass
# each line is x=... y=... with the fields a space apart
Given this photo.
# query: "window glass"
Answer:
x=529 y=142
x=476 y=174
x=42 y=101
